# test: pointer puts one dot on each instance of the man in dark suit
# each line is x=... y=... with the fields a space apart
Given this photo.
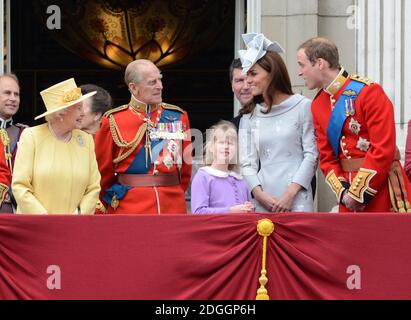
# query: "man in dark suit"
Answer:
x=241 y=90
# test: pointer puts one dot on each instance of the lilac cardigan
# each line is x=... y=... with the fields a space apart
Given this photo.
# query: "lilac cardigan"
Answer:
x=215 y=191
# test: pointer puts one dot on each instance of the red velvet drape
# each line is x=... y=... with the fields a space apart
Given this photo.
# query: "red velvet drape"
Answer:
x=205 y=256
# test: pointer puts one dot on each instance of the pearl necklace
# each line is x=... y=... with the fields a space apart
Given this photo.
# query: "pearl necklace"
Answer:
x=63 y=139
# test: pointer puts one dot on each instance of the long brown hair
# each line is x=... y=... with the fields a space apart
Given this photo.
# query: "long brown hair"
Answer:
x=279 y=78
x=247 y=108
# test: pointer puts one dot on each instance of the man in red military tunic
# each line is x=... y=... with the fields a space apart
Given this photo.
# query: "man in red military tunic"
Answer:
x=143 y=149
x=354 y=122
x=10 y=132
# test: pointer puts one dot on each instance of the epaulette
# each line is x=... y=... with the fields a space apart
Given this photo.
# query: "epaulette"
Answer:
x=20 y=125
x=361 y=79
x=111 y=111
x=172 y=107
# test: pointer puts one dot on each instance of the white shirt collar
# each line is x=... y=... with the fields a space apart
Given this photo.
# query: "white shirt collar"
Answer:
x=221 y=174
x=5 y=123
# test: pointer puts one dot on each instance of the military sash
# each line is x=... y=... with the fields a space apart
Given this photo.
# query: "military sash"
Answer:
x=343 y=109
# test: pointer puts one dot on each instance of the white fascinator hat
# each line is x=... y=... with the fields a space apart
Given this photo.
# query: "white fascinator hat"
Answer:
x=257 y=46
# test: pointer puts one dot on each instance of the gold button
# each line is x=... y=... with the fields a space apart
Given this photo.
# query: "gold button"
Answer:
x=344 y=144
x=355 y=188
x=155 y=172
x=343 y=137
x=345 y=151
x=360 y=177
x=157 y=162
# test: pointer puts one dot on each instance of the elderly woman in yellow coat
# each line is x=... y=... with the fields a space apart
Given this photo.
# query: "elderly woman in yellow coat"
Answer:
x=55 y=170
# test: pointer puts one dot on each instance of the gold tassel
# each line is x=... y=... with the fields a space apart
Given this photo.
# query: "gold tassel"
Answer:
x=148 y=149
x=3 y=192
x=7 y=152
x=265 y=228
x=397 y=189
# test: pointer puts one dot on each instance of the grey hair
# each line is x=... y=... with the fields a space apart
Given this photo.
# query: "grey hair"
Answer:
x=11 y=76
x=101 y=101
x=133 y=71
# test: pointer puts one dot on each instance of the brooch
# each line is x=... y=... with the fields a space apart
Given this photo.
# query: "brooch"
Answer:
x=363 y=144
x=354 y=126
x=172 y=147
x=168 y=161
x=170 y=118
x=80 y=140
x=349 y=93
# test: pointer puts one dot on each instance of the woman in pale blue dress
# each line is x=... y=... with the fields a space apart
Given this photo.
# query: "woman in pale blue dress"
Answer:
x=278 y=153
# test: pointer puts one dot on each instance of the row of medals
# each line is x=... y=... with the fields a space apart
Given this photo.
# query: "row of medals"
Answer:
x=168 y=131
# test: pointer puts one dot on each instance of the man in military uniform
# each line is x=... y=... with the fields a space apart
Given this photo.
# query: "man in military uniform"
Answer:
x=143 y=149
x=9 y=132
x=354 y=122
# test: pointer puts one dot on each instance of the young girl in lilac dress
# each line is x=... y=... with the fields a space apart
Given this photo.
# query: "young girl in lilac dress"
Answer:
x=218 y=187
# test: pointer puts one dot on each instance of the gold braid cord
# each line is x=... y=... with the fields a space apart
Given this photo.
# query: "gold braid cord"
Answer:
x=171 y=107
x=3 y=191
x=121 y=143
x=398 y=189
x=7 y=152
x=265 y=228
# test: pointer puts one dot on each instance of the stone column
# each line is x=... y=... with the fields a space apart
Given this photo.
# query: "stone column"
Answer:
x=290 y=22
x=384 y=39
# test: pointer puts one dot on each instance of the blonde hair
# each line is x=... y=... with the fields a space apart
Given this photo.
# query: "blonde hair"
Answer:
x=228 y=129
